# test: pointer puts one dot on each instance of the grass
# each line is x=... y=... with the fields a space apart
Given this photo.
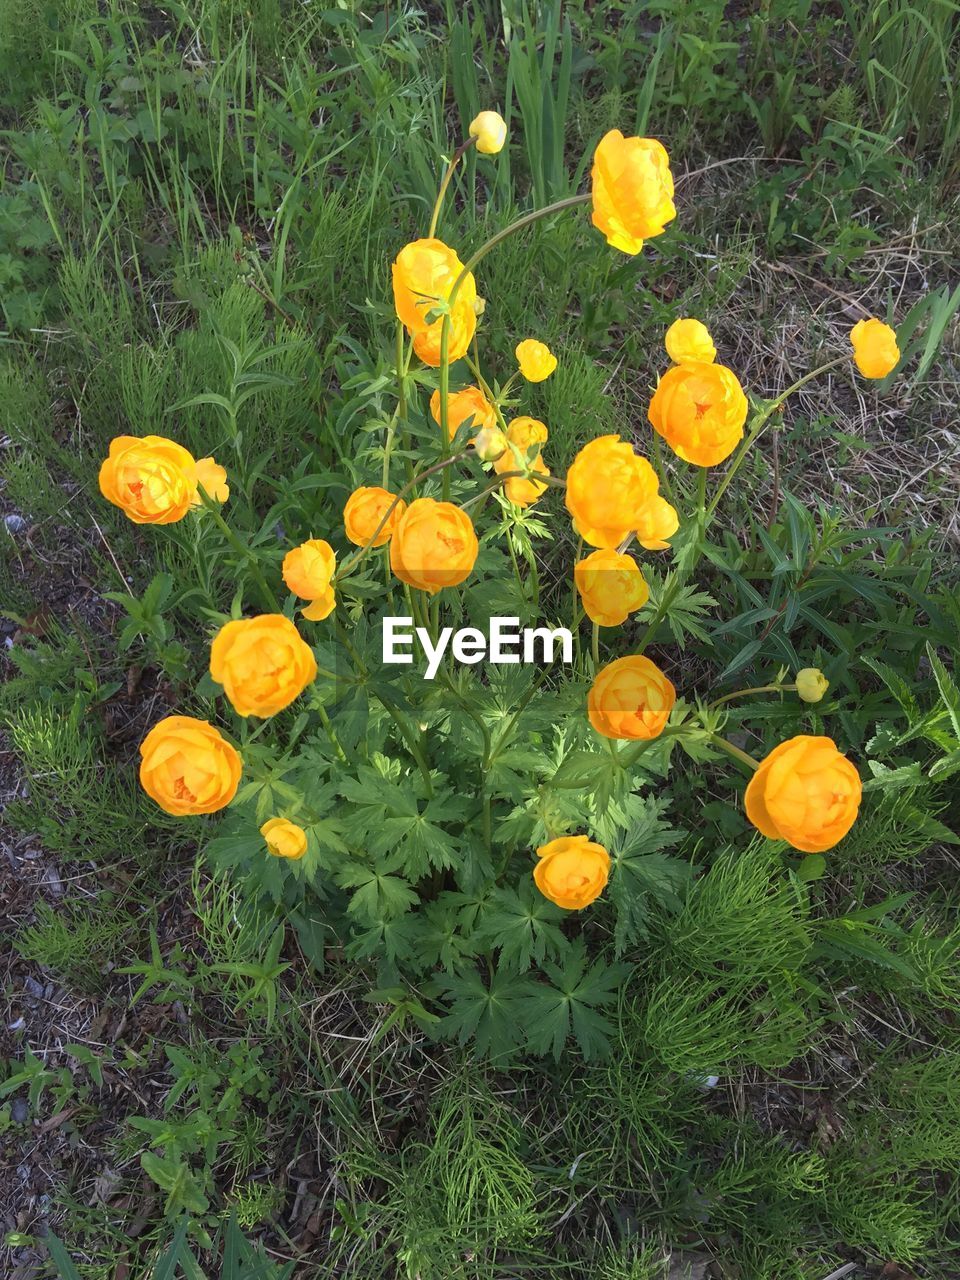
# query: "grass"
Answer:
x=198 y=194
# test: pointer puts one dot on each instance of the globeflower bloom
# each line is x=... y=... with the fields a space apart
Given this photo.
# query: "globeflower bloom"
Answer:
x=153 y=480
x=307 y=571
x=423 y=276
x=535 y=359
x=433 y=546
x=490 y=130
x=658 y=522
x=804 y=792
x=699 y=409
x=632 y=190
x=611 y=587
x=875 y=349
x=262 y=663
x=462 y=406
x=572 y=871
x=188 y=767
x=608 y=487
x=631 y=699
x=364 y=510
x=689 y=342
x=523 y=433
x=284 y=839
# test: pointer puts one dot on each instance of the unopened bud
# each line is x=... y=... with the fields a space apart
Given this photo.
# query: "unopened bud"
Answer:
x=812 y=684
x=490 y=444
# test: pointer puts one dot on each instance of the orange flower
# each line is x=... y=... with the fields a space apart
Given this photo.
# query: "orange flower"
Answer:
x=699 y=409
x=363 y=512
x=689 y=342
x=307 y=571
x=572 y=871
x=632 y=190
x=611 y=586
x=213 y=478
x=804 y=792
x=433 y=545
x=423 y=276
x=462 y=406
x=187 y=766
x=658 y=522
x=524 y=434
x=535 y=359
x=630 y=698
x=151 y=479
x=875 y=349
x=608 y=487
x=262 y=663
x=284 y=839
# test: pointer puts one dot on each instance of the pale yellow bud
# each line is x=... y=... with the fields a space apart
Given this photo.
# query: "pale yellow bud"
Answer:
x=490 y=444
x=490 y=131
x=812 y=684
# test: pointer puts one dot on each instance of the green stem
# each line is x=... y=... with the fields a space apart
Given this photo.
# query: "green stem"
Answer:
x=735 y=751
x=265 y=590
x=445 y=183
x=595 y=646
x=760 y=422
x=742 y=693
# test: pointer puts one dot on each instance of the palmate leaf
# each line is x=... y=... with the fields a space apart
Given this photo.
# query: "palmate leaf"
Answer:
x=379 y=895
x=493 y=1016
x=572 y=1004
x=523 y=926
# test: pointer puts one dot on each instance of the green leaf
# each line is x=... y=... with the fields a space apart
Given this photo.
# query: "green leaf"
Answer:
x=492 y=1016
x=948 y=690
x=378 y=897
x=523 y=926
x=571 y=1005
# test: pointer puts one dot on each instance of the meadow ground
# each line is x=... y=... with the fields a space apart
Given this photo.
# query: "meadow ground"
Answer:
x=184 y=1080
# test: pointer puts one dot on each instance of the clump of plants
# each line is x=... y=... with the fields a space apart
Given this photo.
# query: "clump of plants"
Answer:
x=473 y=830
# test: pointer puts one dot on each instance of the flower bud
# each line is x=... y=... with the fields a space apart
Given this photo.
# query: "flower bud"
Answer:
x=812 y=684
x=490 y=444
x=490 y=130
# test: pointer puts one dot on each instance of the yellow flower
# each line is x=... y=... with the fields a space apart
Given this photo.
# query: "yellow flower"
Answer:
x=611 y=586
x=213 y=478
x=363 y=512
x=284 y=839
x=689 y=342
x=262 y=663
x=632 y=190
x=875 y=348
x=572 y=871
x=187 y=766
x=535 y=359
x=469 y=405
x=490 y=444
x=608 y=488
x=151 y=479
x=433 y=546
x=490 y=131
x=658 y=522
x=423 y=276
x=524 y=433
x=804 y=792
x=699 y=409
x=307 y=571
x=812 y=684
x=631 y=698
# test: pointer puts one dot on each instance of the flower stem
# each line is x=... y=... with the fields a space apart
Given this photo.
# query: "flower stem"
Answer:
x=270 y=600
x=742 y=693
x=445 y=183
x=595 y=646
x=735 y=752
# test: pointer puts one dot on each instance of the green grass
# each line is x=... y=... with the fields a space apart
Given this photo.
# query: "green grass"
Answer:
x=191 y=195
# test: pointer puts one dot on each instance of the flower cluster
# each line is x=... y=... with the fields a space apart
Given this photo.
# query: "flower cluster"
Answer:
x=805 y=792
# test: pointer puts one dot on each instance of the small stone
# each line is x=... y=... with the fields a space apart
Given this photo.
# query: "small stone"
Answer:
x=13 y=523
x=19 y=1111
